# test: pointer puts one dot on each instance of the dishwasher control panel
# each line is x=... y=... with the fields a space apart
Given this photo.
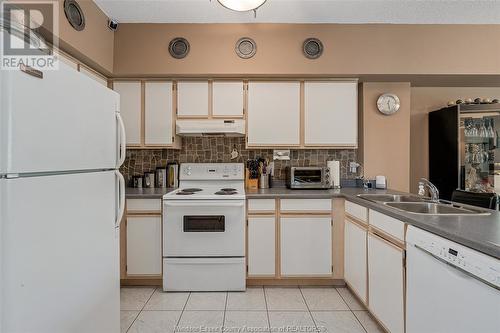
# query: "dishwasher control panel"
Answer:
x=465 y=259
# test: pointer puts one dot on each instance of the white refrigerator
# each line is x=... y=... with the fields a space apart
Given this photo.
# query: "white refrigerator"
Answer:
x=61 y=201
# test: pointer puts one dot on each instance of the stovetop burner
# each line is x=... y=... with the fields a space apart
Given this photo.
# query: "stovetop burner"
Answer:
x=194 y=189
x=222 y=192
x=184 y=193
x=228 y=189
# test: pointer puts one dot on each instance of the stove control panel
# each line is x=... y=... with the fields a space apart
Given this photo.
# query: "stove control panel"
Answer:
x=212 y=171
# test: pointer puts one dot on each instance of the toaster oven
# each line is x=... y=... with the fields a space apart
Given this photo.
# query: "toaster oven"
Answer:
x=307 y=177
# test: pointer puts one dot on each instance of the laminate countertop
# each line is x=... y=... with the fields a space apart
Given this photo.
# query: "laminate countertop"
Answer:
x=479 y=232
x=146 y=193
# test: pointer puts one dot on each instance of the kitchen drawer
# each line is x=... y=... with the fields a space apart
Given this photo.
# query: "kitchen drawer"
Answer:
x=204 y=274
x=357 y=211
x=261 y=205
x=306 y=205
x=387 y=224
x=144 y=205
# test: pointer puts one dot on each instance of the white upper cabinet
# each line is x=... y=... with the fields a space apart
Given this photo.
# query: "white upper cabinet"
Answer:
x=273 y=114
x=192 y=99
x=330 y=113
x=227 y=99
x=130 y=109
x=158 y=115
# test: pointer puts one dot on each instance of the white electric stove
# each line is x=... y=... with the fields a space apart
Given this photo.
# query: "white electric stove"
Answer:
x=204 y=229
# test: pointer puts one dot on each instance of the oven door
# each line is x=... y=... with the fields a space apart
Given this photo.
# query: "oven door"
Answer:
x=307 y=177
x=204 y=228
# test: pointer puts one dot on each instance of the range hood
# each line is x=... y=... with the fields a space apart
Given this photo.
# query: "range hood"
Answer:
x=198 y=127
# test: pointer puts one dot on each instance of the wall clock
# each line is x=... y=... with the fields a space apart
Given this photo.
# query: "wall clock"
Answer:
x=388 y=103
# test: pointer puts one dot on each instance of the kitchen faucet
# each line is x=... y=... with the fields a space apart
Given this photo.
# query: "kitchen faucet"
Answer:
x=433 y=190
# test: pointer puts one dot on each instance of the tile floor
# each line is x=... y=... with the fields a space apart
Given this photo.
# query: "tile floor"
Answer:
x=269 y=309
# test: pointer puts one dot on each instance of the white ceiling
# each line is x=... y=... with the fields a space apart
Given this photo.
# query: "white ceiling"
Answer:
x=307 y=11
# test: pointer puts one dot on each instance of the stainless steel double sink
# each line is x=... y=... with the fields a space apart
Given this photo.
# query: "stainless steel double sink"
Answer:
x=422 y=206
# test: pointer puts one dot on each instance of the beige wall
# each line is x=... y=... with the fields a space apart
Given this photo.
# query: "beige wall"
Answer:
x=350 y=50
x=385 y=139
x=92 y=46
x=423 y=101
x=415 y=51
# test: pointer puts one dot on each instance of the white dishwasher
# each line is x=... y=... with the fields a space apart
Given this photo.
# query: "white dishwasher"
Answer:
x=450 y=288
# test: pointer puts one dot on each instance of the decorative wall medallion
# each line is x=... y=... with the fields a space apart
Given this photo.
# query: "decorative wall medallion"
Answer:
x=312 y=48
x=178 y=47
x=74 y=14
x=245 y=47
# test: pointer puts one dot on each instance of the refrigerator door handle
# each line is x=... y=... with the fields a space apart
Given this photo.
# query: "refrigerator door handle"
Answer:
x=122 y=140
x=121 y=198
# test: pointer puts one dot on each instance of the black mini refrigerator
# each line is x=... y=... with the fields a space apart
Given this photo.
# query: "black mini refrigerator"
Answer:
x=464 y=150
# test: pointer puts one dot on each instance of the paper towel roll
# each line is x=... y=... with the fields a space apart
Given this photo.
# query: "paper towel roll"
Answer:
x=334 y=167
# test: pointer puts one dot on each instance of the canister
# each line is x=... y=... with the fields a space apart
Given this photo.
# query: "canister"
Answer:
x=149 y=179
x=137 y=181
x=161 y=177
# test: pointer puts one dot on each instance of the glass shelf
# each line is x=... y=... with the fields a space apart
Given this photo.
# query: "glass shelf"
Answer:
x=479 y=138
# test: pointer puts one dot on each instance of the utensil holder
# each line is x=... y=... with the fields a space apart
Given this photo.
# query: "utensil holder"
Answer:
x=264 y=181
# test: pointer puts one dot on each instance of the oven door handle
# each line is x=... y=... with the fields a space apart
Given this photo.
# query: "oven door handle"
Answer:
x=197 y=203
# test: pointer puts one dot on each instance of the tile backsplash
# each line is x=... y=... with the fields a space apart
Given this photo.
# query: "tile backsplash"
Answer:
x=217 y=149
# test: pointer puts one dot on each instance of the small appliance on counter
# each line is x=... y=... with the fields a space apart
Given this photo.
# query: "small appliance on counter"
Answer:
x=307 y=178
x=381 y=182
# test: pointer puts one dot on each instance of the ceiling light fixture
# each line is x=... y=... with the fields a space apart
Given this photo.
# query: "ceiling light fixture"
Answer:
x=242 y=5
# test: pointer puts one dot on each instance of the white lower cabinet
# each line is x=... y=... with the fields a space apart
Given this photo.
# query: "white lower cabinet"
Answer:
x=386 y=283
x=306 y=246
x=144 y=255
x=261 y=245
x=355 y=271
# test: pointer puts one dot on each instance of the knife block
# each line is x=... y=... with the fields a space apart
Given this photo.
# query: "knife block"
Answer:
x=251 y=184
